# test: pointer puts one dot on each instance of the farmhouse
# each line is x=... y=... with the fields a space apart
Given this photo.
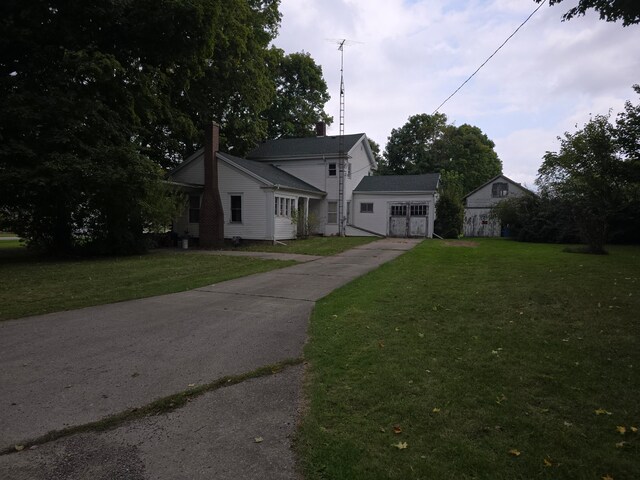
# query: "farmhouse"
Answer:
x=478 y=221
x=286 y=188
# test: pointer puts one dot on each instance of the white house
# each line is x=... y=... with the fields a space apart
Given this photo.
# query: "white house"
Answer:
x=397 y=205
x=288 y=187
x=478 y=221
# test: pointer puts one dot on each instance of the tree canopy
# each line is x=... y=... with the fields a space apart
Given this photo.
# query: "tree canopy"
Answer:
x=610 y=10
x=428 y=144
x=301 y=93
x=589 y=189
x=99 y=97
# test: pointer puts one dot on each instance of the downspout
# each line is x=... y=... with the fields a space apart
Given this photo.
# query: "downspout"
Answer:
x=273 y=229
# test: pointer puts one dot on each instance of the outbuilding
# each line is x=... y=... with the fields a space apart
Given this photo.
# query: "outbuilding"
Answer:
x=396 y=205
x=478 y=221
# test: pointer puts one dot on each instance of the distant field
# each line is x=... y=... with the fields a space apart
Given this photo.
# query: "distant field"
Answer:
x=486 y=360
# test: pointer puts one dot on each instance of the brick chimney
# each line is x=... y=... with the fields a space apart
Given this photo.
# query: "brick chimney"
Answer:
x=321 y=129
x=211 y=213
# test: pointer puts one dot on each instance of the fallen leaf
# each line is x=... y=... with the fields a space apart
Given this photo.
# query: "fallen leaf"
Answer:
x=258 y=439
x=382 y=429
x=621 y=444
x=547 y=462
x=421 y=335
x=435 y=410
x=401 y=445
x=602 y=411
x=514 y=452
x=18 y=448
x=191 y=385
x=381 y=344
x=568 y=424
x=621 y=429
x=397 y=429
x=607 y=477
x=634 y=429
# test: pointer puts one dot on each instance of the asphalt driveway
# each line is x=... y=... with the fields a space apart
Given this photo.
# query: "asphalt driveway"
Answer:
x=72 y=368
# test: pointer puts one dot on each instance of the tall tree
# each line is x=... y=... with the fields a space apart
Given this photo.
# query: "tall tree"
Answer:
x=408 y=148
x=95 y=96
x=588 y=174
x=427 y=144
x=610 y=10
x=301 y=94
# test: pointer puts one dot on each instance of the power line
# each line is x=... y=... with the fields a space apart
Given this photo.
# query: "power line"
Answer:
x=490 y=57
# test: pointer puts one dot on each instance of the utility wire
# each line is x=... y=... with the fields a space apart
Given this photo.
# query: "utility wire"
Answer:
x=490 y=57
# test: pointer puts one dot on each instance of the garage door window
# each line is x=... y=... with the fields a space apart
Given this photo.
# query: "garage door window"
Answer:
x=398 y=210
x=419 y=210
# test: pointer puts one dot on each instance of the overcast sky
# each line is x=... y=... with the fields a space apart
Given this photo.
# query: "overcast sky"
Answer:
x=414 y=53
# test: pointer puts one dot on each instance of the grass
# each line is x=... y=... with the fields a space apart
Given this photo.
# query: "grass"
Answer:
x=310 y=246
x=473 y=353
x=30 y=285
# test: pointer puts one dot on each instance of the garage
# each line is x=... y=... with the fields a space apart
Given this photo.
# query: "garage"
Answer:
x=408 y=219
x=396 y=205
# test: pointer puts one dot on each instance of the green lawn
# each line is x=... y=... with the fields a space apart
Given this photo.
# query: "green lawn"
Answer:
x=310 y=246
x=30 y=285
x=505 y=361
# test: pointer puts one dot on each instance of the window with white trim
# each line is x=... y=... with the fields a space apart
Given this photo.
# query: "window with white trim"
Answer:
x=333 y=169
x=236 y=208
x=332 y=212
x=419 y=210
x=366 y=208
x=398 y=210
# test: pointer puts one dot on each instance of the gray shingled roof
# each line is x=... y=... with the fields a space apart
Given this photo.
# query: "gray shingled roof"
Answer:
x=270 y=173
x=399 y=183
x=302 y=147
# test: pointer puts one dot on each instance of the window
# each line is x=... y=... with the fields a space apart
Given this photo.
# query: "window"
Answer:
x=275 y=212
x=236 y=208
x=332 y=212
x=349 y=169
x=333 y=169
x=366 y=208
x=287 y=207
x=419 y=210
x=500 y=190
x=194 y=208
x=281 y=206
x=398 y=210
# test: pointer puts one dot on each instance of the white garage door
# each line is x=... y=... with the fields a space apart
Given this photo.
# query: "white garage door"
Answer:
x=408 y=219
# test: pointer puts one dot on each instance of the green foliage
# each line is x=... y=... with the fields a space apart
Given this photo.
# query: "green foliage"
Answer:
x=301 y=94
x=95 y=97
x=588 y=175
x=449 y=208
x=589 y=190
x=375 y=150
x=427 y=144
x=408 y=148
x=537 y=218
x=610 y=10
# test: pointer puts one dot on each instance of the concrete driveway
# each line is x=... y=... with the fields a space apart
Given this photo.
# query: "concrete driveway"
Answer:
x=72 y=368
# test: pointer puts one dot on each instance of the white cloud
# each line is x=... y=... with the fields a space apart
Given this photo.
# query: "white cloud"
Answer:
x=413 y=54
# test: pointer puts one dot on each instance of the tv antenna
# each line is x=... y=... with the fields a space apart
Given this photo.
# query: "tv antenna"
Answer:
x=342 y=219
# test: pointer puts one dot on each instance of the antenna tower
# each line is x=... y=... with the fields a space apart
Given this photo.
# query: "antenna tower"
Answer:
x=341 y=153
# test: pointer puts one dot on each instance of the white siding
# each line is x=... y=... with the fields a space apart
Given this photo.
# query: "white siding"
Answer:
x=254 y=222
x=378 y=221
x=285 y=228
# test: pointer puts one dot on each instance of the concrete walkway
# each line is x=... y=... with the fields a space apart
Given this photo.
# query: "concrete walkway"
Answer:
x=71 y=368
